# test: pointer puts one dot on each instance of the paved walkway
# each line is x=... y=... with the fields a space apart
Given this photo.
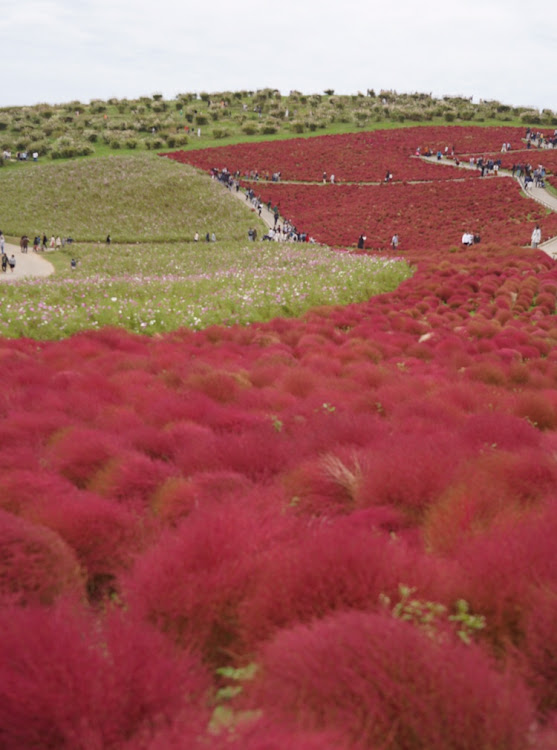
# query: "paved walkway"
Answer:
x=29 y=264
x=541 y=195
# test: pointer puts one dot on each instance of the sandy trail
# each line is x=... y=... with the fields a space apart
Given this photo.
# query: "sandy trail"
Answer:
x=27 y=265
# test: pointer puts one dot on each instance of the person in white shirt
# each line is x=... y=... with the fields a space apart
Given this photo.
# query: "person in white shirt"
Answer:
x=536 y=236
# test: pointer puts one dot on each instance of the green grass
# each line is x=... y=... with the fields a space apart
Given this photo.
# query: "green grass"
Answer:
x=140 y=198
x=159 y=288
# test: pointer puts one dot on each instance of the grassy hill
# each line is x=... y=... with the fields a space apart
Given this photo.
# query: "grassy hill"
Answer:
x=153 y=123
x=139 y=199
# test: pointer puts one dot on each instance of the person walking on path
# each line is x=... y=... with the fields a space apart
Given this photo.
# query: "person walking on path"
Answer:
x=536 y=236
x=394 y=242
x=4 y=262
x=12 y=262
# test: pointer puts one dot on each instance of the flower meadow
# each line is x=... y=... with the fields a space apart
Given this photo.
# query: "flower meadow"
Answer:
x=157 y=288
x=329 y=531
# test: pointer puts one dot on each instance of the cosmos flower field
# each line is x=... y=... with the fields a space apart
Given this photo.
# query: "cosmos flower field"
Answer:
x=329 y=532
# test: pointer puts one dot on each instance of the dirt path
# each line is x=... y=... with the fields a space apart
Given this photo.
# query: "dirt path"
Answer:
x=29 y=264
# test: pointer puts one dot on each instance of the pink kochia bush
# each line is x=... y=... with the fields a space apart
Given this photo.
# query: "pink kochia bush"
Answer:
x=264 y=495
x=71 y=680
x=385 y=683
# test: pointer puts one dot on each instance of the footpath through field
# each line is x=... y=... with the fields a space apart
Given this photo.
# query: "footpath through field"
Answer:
x=29 y=264
x=538 y=194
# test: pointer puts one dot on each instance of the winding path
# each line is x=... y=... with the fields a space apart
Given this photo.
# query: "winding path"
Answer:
x=540 y=195
x=536 y=193
x=29 y=264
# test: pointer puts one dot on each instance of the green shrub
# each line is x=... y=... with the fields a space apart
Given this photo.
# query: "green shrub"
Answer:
x=250 y=129
x=220 y=133
x=297 y=126
x=41 y=147
x=532 y=117
x=269 y=129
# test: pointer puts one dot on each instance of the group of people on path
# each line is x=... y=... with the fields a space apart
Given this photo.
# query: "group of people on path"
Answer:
x=6 y=262
x=529 y=176
x=40 y=244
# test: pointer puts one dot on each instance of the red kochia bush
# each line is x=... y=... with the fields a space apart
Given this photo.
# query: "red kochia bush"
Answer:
x=503 y=571
x=334 y=566
x=388 y=685
x=178 y=497
x=410 y=471
x=540 y=649
x=70 y=681
x=78 y=453
x=191 y=582
x=36 y=565
x=266 y=735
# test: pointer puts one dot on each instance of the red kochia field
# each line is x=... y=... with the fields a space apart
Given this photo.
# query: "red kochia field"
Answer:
x=356 y=157
x=362 y=503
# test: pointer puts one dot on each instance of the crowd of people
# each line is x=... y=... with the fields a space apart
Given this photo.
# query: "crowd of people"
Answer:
x=540 y=140
x=529 y=176
x=41 y=244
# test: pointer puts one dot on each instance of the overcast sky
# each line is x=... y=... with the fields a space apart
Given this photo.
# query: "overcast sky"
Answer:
x=57 y=51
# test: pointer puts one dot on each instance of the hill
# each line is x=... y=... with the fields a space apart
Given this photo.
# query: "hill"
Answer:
x=153 y=123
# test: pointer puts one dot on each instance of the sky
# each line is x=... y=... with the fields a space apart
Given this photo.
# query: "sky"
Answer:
x=57 y=51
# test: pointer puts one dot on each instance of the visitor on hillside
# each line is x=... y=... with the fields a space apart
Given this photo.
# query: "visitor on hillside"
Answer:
x=44 y=242
x=536 y=236
x=361 y=241
x=2 y=243
x=58 y=243
x=467 y=239
x=196 y=237
x=73 y=264
x=213 y=237
x=12 y=262
x=394 y=242
x=108 y=240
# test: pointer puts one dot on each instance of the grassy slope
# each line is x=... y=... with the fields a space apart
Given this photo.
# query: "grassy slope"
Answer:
x=144 y=198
